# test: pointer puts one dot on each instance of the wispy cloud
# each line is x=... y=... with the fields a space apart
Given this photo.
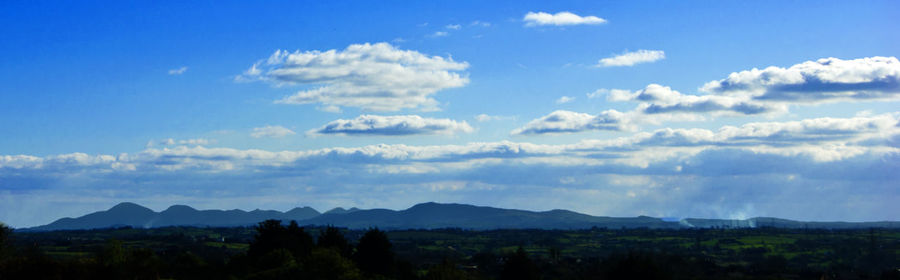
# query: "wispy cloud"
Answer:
x=565 y=99
x=453 y=26
x=559 y=19
x=173 y=142
x=486 y=117
x=178 y=71
x=480 y=23
x=632 y=58
x=271 y=131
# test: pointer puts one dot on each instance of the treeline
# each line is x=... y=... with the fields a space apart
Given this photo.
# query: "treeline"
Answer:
x=279 y=251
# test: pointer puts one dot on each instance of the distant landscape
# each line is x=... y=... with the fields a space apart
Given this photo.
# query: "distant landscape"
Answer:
x=636 y=248
x=421 y=216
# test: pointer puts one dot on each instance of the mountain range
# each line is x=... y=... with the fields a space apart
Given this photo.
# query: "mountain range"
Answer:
x=421 y=216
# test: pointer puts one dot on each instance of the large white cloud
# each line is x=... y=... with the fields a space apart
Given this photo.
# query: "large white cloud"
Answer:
x=826 y=79
x=772 y=90
x=559 y=19
x=392 y=125
x=632 y=58
x=377 y=77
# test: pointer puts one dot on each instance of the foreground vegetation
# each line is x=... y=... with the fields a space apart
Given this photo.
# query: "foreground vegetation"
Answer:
x=272 y=250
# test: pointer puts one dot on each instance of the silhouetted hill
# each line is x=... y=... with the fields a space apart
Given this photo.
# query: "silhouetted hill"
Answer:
x=436 y=215
x=130 y=214
x=123 y=214
x=421 y=216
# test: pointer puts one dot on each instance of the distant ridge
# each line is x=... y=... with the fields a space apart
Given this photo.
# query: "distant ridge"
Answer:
x=429 y=215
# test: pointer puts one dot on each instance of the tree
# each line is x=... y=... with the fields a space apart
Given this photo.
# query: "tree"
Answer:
x=5 y=232
x=299 y=242
x=325 y=263
x=271 y=235
x=374 y=253
x=519 y=266
x=332 y=238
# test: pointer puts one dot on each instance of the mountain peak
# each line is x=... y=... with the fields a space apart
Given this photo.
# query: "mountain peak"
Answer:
x=129 y=207
x=179 y=208
x=432 y=204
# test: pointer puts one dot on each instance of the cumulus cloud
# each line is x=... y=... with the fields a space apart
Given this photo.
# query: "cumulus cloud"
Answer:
x=769 y=91
x=271 y=131
x=562 y=121
x=439 y=34
x=632 y=58
x=178 y=71
x=453 y=26
x=392 y=125
x=559 y=19
x=823 y=80
x=377 y=77
x=565 y=99
x=662 y=99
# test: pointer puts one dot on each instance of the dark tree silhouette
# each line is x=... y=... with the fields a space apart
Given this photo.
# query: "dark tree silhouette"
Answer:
x=4 y=240
x=445 y=271
x=519 y=266
x=374 y=253
x=325 y=263
x=271 y=235
x=299 y=242
x=332 y=238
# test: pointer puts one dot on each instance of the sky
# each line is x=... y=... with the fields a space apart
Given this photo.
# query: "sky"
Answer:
x=707 y=109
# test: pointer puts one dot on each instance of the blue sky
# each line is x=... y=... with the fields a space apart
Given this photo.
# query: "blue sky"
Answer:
x=726 y=109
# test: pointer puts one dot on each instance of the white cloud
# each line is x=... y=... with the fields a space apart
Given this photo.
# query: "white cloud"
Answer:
x=769 y=91
x=662 y=99
x=377 y=77
x=632 y=58
x=437 y=34
x=453 y=26
x=847 y=137
x=178 y=71
x=271 y=131
x=559 y=19
x=611 y=94
x=173 y=142
x=480 y=23
x=562 y=121
x=565 y=99
x=823 y=80
x=392 y=125
x=486 y=117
